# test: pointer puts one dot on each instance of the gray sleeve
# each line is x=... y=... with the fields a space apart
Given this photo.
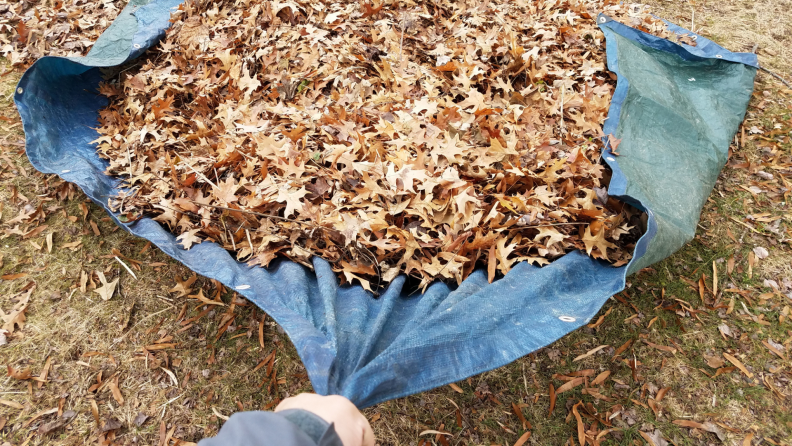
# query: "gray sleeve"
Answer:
x=294 y=427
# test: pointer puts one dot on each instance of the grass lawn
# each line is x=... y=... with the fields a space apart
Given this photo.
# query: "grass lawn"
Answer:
x=697 y=348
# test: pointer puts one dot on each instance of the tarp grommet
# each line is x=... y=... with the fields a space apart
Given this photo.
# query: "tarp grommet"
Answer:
x=567 y=318
x=20 y=90
x=719 y=56
x=137 y=46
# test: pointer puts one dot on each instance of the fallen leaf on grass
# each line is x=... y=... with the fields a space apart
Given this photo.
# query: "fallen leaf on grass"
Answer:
x=19 y=374
x=46 y=428
x=14 y=276
x=9 y=403
x=581 y=428
x=601 y=378
x=38 y=415
x=44 y=372
x=713 y=361
x=738 y=364
x=172 y=376
x=773 y=349
x=113 y=385
x=74 y=246
x=624 y=347
x=569 y=385
x=661 y=347
x=590 y=353
x=140 y=419
x=723 y=371
x=761 y=252
x=159 y=346
x=200 y=296
x=648 y=439
x=107 y=289
x=95 y=411
x=456 y=388
x=520 y=416
x=600 y=320
x=431 y=432
x=183 y=286
x=111 y=424
x=707 y=426
x=655 y=438
x=16 y=317
x=523 y=438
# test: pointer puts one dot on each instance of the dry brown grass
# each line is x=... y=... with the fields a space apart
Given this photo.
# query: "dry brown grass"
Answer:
x=83 y=335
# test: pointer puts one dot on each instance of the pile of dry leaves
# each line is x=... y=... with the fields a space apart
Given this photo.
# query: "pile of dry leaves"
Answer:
x=33 y=29
x=417 y=137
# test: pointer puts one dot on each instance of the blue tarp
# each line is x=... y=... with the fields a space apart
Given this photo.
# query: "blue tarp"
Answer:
x=675 y=109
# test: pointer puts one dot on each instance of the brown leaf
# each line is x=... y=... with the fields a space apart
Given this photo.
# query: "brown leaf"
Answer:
x=707 y=426
x=660 y=347
x=648 y=439
x=600 y=378
x=183 y=287
x=623 y=348
x=113 y=385
x=581 y=427
x=661 y=393
x=723 y=371
x=110 y=424
x=370 y=9
x=773 y=349
x=107 y=289
x=590 y=353
x=689 y=423
x=16 y=317
x=521 y=417
x=187 y=239
x=140 y=419
x=523 y=438
x=38 y=415
x=46 y=428
x=12 y=404
x=738 y=364
x=713 y=361
x=18 y=374
x=491 y=264
x=569 y=385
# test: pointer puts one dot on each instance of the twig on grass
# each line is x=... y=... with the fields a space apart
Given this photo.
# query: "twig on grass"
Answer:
x=784 y=81
x=125 y=267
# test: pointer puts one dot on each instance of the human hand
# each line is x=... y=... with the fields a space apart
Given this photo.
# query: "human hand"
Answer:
x=351 y=426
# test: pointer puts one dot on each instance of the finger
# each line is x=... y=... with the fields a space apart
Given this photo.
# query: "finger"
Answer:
x=368 y=433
